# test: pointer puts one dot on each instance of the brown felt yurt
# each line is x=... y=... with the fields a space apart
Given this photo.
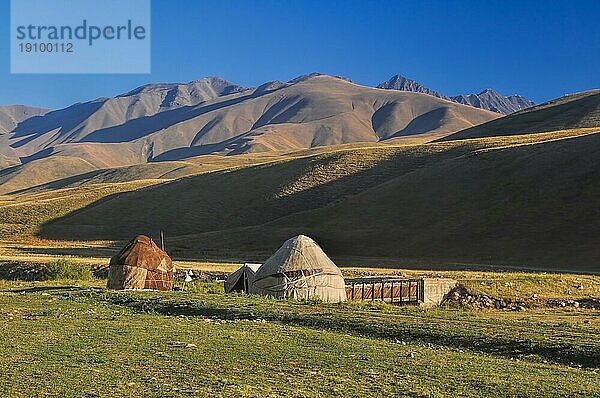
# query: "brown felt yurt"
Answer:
x=141 y=264
x=300 y=269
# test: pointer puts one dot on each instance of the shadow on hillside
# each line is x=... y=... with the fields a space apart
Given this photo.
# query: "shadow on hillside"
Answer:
x=142 y=126
x=265 y=210
x=63 y=119
x=357 y=323
x=431 y=202
x=197 y=150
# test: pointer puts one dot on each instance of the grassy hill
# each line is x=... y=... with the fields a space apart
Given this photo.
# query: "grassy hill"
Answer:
x=581 y=110
x=534 y=204
x=22 y=215
x=58 y=172
x=525 y=200
x=41 y=171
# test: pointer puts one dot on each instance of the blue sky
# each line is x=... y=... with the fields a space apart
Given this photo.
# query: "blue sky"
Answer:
x=539 y=49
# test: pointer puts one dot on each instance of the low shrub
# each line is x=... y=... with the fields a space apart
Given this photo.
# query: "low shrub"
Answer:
x=67 y=269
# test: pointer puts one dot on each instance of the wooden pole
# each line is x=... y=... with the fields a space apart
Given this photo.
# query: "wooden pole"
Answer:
x=162 y=240
x=373 y=291
x=401 y=291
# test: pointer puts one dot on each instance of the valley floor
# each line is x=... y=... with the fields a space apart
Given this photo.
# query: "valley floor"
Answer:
x=74 y=338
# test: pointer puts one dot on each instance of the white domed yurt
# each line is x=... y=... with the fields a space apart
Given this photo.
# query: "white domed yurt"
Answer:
x=300 y=269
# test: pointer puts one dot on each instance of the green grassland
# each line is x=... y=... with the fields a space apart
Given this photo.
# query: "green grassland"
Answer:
x=22 y=216
x=70 y=338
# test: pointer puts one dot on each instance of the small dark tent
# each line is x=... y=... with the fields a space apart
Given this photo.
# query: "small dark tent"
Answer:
x=141 y=264
x=241 y=279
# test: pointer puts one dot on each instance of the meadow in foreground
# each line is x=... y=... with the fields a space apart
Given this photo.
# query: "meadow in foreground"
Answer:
x=77 y=339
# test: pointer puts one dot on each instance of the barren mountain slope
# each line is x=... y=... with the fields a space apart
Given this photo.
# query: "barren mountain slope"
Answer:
x=11 y=115
x=398 y=82
x=39 y=135
x=314 y=111
x=320 y=110
x=8 y=156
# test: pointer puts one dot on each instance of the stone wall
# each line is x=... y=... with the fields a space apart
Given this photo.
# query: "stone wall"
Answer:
x=436 y=290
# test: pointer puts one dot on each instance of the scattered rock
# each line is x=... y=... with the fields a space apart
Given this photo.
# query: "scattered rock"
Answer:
x=23 y=271
x=465 y=298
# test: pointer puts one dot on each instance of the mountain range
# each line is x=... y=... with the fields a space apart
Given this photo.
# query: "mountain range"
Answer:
x=213 y=116
x=487 y=99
